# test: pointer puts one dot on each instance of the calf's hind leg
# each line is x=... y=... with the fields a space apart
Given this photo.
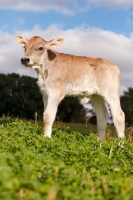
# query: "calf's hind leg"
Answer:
x=118 y=116
x=101 y=114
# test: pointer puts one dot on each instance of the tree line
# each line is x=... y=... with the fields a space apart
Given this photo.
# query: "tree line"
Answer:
x=20 y=97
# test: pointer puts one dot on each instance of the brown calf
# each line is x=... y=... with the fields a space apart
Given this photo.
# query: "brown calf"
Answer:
x=60 y=75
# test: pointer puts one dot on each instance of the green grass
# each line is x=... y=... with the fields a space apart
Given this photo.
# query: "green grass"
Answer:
x=91 y=128
x=69 y=166
x=83 y=128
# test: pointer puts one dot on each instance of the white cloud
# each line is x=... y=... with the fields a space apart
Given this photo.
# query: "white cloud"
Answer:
x=9 y=55
x=68 y=7
x=79 y=41
x=65 y=6
x=124 y=4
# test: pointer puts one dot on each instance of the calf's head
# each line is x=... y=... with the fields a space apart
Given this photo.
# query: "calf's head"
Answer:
x=36 y=50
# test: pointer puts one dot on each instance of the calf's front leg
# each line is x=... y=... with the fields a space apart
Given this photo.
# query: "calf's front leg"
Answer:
x=50 y=113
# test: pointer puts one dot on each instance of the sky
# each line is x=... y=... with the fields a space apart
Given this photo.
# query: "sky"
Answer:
x=94 y=28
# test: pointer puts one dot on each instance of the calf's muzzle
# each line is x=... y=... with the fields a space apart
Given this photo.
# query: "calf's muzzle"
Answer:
x=25 y=61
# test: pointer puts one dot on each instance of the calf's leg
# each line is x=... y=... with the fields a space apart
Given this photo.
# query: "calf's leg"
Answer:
x=118 y=116
x=50 y=112
x=101 y=114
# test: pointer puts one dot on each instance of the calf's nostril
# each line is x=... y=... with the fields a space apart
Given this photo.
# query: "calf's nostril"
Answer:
x=25 y=60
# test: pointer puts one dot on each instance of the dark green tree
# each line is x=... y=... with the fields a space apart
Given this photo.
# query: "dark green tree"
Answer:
x=127 y=106
x=19 y=96
x=70 y=110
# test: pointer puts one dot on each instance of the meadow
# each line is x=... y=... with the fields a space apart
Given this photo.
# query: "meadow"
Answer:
x=69 y=166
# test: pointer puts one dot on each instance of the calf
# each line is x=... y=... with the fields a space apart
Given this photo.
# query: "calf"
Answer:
x=61 y=75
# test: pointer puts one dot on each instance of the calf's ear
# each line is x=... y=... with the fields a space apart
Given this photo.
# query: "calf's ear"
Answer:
x=55 y=42
x=21 y=40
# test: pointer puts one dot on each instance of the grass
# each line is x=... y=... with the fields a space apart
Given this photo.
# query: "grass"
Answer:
x=91 y=128
x=68 y=166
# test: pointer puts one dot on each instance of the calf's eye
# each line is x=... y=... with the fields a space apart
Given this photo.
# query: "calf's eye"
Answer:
x=40 y=48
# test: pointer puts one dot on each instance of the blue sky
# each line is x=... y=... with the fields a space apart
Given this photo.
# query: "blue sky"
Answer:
x=97 y=28
x=118 y=20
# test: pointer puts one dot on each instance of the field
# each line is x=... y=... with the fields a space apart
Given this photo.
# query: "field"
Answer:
x=69 y=166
